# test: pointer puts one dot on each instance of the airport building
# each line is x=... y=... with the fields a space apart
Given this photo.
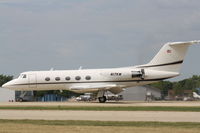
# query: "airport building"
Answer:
x=185 y=94
x=30 y=96
x=141 y=93
x=7 y=95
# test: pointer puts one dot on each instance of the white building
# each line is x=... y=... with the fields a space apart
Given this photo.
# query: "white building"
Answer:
x=6 y=95
x=140 y=93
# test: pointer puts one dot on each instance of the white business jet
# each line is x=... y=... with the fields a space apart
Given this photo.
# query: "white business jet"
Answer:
x=166 y=64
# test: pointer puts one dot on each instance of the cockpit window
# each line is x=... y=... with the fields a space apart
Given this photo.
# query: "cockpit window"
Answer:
x=23 y=76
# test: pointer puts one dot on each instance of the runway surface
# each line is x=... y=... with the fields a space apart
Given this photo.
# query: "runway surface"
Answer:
x=161 y=116
x=123 y=103
x=101 y=115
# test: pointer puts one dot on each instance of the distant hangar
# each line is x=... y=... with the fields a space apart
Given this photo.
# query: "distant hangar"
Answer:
x=140 y=93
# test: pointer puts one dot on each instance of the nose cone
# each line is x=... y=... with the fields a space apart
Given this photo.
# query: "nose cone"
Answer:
x=9 y=85
x=6 y=85
x=16 y=84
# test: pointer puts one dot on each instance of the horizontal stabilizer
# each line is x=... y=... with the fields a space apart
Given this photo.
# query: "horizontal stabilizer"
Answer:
x=184 y=43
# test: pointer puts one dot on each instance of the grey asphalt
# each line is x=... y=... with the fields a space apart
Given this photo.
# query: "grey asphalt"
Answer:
x=101 y=115
x=161 y=116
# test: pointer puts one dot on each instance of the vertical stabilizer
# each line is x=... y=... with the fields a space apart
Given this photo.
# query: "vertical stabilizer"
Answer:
x=170 y=57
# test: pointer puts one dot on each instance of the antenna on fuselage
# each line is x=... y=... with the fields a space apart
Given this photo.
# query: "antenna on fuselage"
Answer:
x=52 y=69
x=80 y=68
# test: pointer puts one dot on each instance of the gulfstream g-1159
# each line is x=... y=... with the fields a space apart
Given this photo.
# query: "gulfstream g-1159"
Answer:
x=166 y=64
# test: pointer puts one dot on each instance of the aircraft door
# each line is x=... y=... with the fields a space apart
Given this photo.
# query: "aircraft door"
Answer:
x=32 y=81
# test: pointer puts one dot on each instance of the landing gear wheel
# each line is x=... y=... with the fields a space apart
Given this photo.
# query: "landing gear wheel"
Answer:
x=102 y=99
x=20 y=100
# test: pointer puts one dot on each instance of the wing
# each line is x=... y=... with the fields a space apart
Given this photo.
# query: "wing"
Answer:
x=92 y=88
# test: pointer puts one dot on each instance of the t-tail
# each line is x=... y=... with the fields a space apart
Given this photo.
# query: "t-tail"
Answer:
x=170 y=57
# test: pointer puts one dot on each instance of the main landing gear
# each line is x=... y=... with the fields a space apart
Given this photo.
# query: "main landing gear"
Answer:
x=101 y=96
x=102 y=99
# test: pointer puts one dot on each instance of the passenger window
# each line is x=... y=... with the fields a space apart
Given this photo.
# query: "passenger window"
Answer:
x=88 y=78
x=57 y=78
x=67 y=78
x=78 y=78
x=47 y=79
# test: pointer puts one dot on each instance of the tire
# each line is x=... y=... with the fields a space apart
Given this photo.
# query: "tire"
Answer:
x=20 y=100
x=102 y=99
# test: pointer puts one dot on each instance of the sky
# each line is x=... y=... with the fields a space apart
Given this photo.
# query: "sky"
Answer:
x=67 y=34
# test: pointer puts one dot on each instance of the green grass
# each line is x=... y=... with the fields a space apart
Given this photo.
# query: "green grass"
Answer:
x=103 y=123
x=100 y=108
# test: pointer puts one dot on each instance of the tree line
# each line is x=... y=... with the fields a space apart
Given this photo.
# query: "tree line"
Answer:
x=187 y=84
x=4 y=79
